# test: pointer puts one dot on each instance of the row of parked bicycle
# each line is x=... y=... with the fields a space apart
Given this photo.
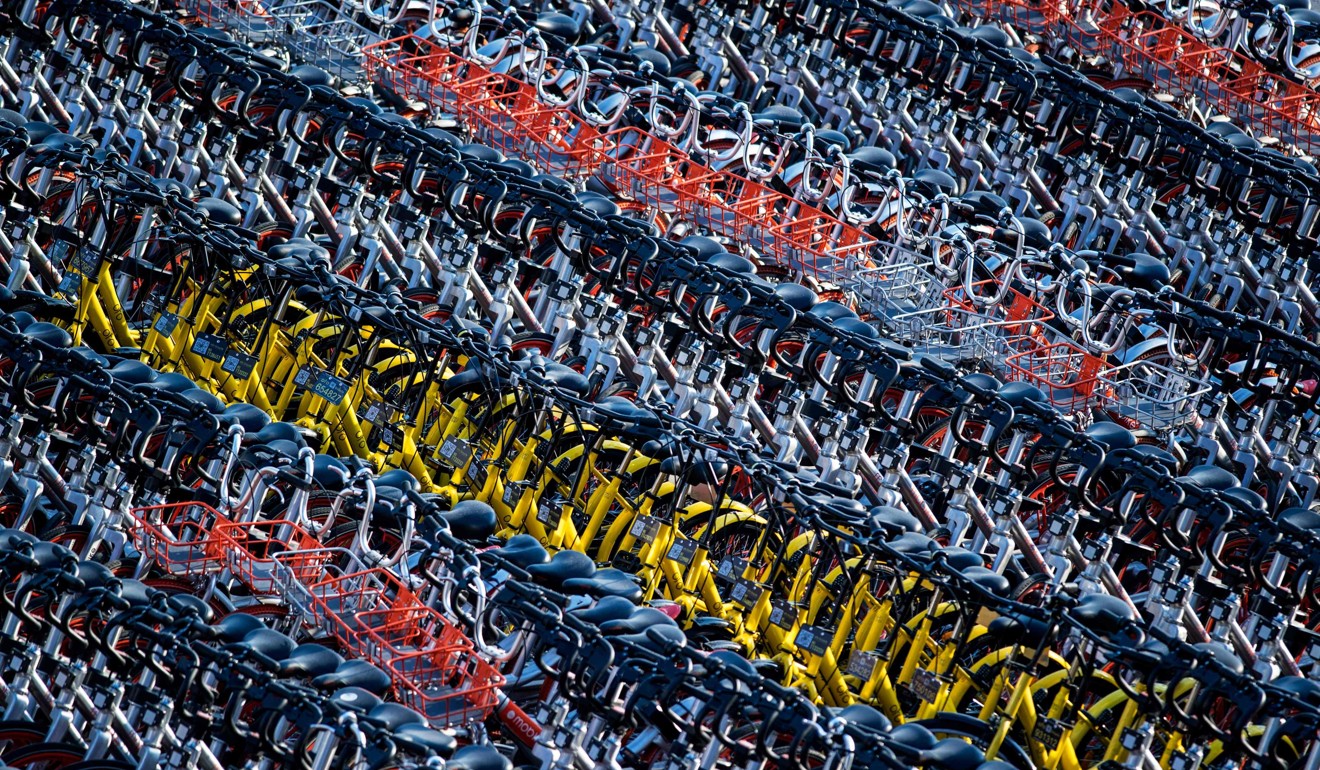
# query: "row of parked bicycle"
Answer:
x=338 y=407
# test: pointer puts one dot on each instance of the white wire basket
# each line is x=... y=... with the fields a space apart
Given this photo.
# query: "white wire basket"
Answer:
x=325 y=34
x=1152 y=394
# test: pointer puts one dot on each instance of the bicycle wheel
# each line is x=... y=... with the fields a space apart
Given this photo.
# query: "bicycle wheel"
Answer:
x=16 y=735
x=979 y=734
x=44 y=756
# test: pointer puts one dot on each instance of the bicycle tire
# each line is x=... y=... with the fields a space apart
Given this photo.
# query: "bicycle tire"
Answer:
x=19 y=734
x=979 y=734
x=47 y=756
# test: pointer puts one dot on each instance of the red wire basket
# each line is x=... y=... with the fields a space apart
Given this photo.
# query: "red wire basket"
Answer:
x=180 y=537
x=338 y=604
x=1065 y=373
x=450 y=686
x=386 y=634
x=298 y=574
x=250 y=548
x=509 y=114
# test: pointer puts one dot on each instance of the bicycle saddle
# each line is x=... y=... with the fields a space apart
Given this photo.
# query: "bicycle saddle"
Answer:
x=396 y=119
x=606 y=609
x=891 y=521
x=961 y=558
x=187 y=603
x=829 y=310
x=912 y=738
x=310 y=75
x=309 y=660
x=49 y=334
x=1102 y=614
x=1111 y=435
x=21 y=319
x=1146 y=656
x=420 y=739
x=797 y=296
x=61 y=142
x=704 y=247
x=264 y=641
x=988 y=580
x=367 y=104
x=558 y=25
x=980 y=382
x=1221 y=654
x=204 y=399
x=470 y=520
x=876 y=160
x=446 y=138
x=564 y=565
x=911 y=543
x=271 y=452
x=1305 y=690
x=731 y=660
x=623 y=410
x=393 y=716
x=399 y=478
x=1155 y=454
x=1141 y=271
x=37 y=131
x=953 y=754
x=1018 y=393
x=329 y=473
x=221 y=212
x=866 y=716
x=991 y=34
x=251 y=418
x=657 y=59
x=780 y=116
x=520 y=167
x=96 y=575
x=731 y=263
x=828 y=137
x=1211 y=477
x=556 y=374
x=173 y=382
x=985 y=206
x=297 y=253
x=606 y=582
x=278 y=431
x=1246 y=499
x=640 y=620
x=932 y=181
x=857 y=326
x=654 y=637
x=481 y=152
x=1025 y=631
x=13 y=540
x=523 y=550
x=478 y=758
x=354 y=699
x=51 y=556
x=354 y=674
x=1299 y=521
x=12 y=119
x=166 y=186
x=598 y=204
x=470 y=377
x=1035 y=234
x=212 y=32
x=89 y=358
x=135 y=592
x=236 y=625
